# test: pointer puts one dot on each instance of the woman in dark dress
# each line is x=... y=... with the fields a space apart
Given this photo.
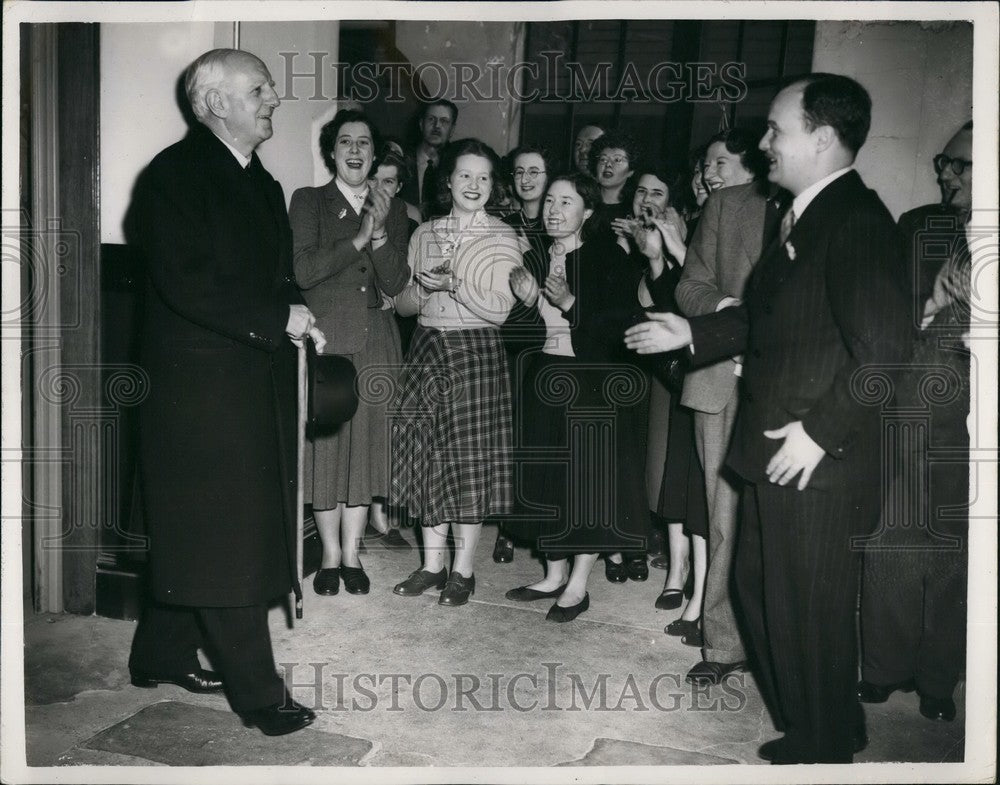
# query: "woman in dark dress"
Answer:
x=523 y=333
x=582 y=405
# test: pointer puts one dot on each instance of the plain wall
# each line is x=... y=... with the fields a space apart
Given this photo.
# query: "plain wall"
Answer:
x=919 y=75
x=494 y=122
x=140 y=66
x=140 y=115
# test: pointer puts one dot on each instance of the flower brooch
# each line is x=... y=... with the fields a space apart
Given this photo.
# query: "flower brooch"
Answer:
x=342 y=213
x=790 y=250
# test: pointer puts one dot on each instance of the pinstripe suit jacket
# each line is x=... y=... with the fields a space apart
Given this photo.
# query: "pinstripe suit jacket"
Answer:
x=821 y=307
x=722 y=254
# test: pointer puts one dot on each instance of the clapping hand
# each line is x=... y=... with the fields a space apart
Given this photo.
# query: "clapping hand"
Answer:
x=664 y=332
x=524 y=286
x=437 y=279
x=557 y=291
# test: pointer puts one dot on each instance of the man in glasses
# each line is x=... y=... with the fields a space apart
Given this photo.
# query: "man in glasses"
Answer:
x=953 y=167
x=913 y=609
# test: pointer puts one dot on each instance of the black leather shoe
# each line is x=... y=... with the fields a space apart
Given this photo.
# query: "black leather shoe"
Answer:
x=457 y=590
x=637 y=569
x=616 y=573
x=524 y=594
x=355 y=580
x=681 y=627
x=420 y=581
x=395 y=541
x=879 y=693
x=327 y=581
x=779 y=751
x=503 y=550
x=558 y=613
x=709 y=672
x=280 y=718
x=937 y=708
x=670 y=599
x=199 y=681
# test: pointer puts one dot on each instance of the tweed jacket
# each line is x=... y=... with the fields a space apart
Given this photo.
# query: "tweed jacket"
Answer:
x=720 y=257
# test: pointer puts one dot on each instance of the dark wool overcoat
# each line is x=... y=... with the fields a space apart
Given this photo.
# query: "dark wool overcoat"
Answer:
x=218 y=426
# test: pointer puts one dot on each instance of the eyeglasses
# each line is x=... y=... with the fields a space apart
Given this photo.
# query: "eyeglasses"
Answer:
x=957 y=165
x=531 y=174
x=618 y=160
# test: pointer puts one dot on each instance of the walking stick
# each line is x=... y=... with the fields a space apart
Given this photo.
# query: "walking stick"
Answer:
x=299 y=461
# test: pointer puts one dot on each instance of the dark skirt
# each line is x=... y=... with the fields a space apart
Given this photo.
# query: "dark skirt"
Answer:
x=682 y=492
x=451 y=428
x=580 y=473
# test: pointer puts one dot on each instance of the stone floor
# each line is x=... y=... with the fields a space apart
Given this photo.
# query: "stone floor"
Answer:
x=403 y=682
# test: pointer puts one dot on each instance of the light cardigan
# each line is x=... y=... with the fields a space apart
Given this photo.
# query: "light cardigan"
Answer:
x=481 y=261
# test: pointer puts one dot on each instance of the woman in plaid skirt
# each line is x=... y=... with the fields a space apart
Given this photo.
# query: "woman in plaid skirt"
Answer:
x=451 y=420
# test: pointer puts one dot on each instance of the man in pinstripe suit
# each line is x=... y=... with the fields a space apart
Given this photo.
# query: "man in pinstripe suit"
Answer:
x=826 y=302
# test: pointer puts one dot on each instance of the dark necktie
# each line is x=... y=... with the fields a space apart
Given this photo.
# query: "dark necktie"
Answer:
x=428 y=186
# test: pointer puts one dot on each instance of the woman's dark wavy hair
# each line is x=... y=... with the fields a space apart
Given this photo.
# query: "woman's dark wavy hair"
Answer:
x=583 y=184
x=743 y=142
x=669 y=177
x=614 y=140
x=328 y=134
x=449 y=158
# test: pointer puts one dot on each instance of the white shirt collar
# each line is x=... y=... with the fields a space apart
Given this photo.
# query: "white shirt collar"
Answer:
x=244 y=160
x=801 y=202
x=354 y=198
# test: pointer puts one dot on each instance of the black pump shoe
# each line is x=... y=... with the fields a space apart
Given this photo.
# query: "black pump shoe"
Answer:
x=327 y=581
x=355 y=580
x=560 y=614
x=615 y=572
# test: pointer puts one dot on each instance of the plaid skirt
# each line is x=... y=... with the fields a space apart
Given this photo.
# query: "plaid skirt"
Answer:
x=450 y=426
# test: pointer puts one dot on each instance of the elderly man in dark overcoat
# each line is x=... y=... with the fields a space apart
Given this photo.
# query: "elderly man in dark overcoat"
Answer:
x=217 y=430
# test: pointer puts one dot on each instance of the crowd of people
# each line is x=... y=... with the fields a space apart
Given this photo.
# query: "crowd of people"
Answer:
x=619 y=361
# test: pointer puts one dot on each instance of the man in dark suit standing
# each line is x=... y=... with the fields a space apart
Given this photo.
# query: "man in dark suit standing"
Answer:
x=914 y=585
x=436 y=124
x=218 y=430
x=826 y=302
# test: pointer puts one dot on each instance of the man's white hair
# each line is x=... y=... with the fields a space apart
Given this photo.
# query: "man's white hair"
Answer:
x=207 y=72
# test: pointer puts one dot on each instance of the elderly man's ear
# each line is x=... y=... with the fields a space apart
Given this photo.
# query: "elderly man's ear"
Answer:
x=217 y=103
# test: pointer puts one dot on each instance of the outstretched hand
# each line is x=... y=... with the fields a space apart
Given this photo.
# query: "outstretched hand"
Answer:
x=664 y=332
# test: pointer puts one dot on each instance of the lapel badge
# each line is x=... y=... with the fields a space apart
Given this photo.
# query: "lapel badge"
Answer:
x=790 y=250
x=342 y=213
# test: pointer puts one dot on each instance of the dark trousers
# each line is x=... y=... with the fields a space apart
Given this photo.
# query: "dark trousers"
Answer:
x=797 y=578
x=913 y=591
x=237 y=640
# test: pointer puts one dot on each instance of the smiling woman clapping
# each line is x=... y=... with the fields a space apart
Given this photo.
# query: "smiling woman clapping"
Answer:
x=451 y=423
